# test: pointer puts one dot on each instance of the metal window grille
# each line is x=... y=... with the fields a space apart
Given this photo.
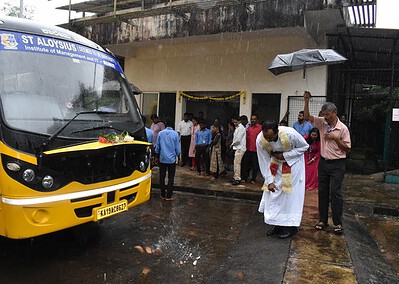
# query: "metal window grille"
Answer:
x=295 y=105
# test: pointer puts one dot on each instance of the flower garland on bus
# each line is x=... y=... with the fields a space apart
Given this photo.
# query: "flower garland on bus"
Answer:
x=115 y=138
x=217 y=99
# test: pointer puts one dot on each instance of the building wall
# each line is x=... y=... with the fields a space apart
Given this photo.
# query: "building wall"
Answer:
x=179 y=19
x=226 y=62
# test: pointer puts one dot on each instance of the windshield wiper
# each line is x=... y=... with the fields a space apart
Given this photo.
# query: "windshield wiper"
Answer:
x=52 y=137
x=96 y=128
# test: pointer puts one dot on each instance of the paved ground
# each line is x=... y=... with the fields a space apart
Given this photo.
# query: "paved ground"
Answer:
x=207 y=238
x=183 y=241
x=368 y=252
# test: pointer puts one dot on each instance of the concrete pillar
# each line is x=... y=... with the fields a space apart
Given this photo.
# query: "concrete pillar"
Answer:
x=246 y=104
x=180 y=109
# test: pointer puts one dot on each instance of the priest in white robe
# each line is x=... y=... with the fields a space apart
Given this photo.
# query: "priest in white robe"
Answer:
x=280 y=152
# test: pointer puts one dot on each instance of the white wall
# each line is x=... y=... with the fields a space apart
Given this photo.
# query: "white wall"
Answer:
x=230 y=62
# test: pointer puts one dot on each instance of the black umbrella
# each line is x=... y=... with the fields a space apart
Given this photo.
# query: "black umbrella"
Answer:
x=303 y=59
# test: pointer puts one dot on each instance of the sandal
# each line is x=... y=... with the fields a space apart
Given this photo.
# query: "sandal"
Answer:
x=321 y=226
x=338 y=229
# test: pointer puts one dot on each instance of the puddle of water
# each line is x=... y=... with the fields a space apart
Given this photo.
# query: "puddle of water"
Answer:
x=385 y=231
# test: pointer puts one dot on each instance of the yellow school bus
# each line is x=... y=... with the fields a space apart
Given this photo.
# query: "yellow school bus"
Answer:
x=72 y=143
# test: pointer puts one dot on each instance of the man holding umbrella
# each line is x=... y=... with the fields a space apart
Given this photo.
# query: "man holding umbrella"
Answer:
x=335 y=143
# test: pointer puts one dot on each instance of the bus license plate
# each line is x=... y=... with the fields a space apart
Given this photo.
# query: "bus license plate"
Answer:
x=109 y=210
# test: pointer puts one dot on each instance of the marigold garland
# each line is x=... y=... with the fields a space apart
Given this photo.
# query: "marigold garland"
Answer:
x=217 y=99
x=115 y=138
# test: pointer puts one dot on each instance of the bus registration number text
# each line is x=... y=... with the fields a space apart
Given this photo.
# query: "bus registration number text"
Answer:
x=110 y=210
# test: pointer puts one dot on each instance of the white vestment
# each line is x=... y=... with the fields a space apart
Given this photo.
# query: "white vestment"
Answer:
x=283 y=208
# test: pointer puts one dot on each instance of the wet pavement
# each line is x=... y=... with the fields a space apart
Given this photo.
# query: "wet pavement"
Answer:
x=183 y=241
x=211 y=237
x=368 y=252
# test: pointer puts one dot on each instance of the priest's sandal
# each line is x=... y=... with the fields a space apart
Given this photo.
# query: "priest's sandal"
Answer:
x=321 y=226
x=287 y=232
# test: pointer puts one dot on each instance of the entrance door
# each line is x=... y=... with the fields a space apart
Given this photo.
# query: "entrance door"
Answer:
x=223 y=111
x=167 y=108
x=266 y=106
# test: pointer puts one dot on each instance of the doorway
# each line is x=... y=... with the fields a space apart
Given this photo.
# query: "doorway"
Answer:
x=167 y=108
x=223 y=111
x=266 y=106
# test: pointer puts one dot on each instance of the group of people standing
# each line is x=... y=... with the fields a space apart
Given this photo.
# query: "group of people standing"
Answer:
x=311 y=155
x=243 y=146
x=211 y=151
x=216 y=151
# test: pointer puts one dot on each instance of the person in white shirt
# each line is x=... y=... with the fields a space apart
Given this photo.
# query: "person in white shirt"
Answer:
x=239 y=145
x=184 y=130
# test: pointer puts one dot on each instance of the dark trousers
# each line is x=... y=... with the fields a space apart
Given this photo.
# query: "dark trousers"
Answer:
x=185 y=147
x=171 y=168
x=331 y=174
x=249 y=162
x=201 y=153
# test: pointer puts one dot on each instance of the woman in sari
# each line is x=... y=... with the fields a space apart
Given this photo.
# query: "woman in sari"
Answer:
x=312 y=157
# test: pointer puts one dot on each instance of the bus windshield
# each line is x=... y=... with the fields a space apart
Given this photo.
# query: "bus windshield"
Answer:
x=40 y=92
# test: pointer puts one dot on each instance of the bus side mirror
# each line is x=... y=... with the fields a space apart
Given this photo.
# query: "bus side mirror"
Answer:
x=135 y=89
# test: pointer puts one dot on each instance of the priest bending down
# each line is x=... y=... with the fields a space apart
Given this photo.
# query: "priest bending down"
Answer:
x=281 y=160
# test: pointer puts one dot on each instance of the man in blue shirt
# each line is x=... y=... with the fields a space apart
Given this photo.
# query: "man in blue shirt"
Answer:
x=302 y=126
x=203 y=138
x=167 y=150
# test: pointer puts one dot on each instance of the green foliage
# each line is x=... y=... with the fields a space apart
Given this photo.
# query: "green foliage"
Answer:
x=376 y=104
x=11 y=10
x=381 y=90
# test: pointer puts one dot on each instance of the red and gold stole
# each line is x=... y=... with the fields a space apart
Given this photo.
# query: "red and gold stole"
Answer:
x=275 y=163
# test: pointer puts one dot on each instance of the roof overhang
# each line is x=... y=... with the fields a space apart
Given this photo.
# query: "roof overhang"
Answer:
x=373 y=54
x=111 y=11
x=102 y=6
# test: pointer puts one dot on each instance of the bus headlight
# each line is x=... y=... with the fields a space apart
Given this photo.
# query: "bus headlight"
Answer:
x=145 y=160
x=13 y=167
x=41 y=179
x=142 y=167
x=28 y=175
x=47 y=182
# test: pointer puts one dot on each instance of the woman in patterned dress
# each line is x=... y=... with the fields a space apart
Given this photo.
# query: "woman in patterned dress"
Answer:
x=217 y=166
